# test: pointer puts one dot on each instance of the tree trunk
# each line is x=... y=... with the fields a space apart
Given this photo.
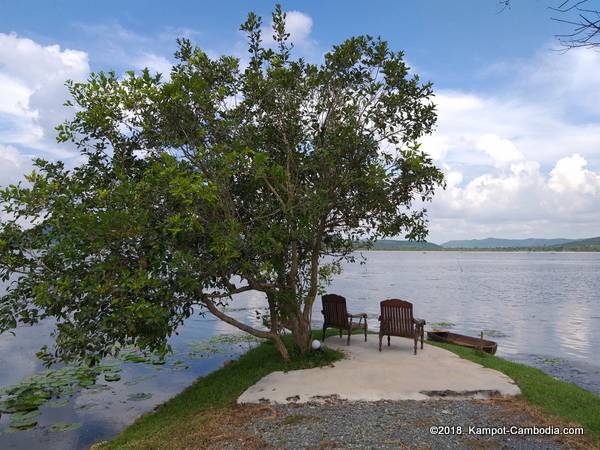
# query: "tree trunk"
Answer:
x=280 y=346
x=276 y=337
x=301 y=333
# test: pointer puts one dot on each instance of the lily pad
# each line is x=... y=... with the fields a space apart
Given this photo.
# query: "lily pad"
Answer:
x=24 y=420
x=87 y=406
x=61 y=426
x=138 y=396
x=137 y=380
x=495 y=333
x=550 y=361
x=112 y=377
x=97 y=388
x=220 y=344
x=133 y=357
x=180 y=365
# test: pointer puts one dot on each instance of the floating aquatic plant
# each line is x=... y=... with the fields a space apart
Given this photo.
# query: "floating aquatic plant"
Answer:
x=61 y=426
x=179 y=365
x=24 y=420
x=495 y=333
x=137 y=380
x=443 y=324
x=139 y=396
x=220 y=344
x=40 y=388
x=549 y=361
x=86 y=406
x=112 y=376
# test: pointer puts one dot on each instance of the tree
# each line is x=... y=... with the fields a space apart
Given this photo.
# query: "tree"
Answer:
x=582 y=19
x=216 y=181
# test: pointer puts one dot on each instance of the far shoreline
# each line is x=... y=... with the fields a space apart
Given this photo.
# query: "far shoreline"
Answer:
x=476 y=250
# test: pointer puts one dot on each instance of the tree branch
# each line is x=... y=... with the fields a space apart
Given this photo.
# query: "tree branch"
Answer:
x=236 y=323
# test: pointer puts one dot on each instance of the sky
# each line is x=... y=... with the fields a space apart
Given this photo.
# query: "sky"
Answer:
x=518 y=132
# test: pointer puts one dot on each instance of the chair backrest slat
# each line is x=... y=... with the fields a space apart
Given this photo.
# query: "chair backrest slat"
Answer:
x=334 y=310
x=397 y=318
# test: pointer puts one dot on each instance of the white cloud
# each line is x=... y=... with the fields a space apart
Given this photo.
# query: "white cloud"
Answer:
x=525 y=160
x=154 y=63
x=32 y=90
x=502 y=151
x=570 y=175
x=114 y=47
x=299 y=26
x=13 y=165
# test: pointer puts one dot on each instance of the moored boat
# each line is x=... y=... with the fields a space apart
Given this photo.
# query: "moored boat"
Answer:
x=463 y=341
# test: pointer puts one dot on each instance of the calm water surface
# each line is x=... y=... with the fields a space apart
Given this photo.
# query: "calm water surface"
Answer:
x=541 y=308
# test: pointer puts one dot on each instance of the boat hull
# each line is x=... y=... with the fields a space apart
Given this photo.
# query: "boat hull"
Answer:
x=462 y=340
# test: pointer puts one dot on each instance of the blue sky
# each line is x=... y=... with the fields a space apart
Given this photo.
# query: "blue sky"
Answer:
x=518 y=133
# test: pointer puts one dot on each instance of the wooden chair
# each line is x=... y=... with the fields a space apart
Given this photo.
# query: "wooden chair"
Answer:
x=397 y=319
x=335 y=315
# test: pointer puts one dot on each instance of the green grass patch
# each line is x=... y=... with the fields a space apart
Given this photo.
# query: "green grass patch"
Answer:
x=556 y=397
x=218 y=389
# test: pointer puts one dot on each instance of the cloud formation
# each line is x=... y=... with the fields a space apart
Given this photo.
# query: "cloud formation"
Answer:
x=32 y=90
x=525 y=161
x=522 y=160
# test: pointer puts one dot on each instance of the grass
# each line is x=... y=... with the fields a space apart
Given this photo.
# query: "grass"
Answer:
x=218 y=390
x=205 y=414
x=552 y=396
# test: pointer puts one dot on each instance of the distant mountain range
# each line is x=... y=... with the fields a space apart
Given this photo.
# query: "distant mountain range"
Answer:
x=390 y=244
x=591 y=244
x=505 y=243
x=532 y=244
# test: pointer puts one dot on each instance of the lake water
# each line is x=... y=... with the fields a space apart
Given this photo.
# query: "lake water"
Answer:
x=541 y=308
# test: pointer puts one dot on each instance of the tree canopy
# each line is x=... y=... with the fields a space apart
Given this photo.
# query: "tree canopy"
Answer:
x=218 y=179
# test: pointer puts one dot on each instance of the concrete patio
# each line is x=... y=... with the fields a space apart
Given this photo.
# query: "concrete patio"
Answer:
x=394 y=374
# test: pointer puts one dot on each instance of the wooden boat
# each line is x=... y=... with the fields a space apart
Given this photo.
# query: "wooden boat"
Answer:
x=463 y=341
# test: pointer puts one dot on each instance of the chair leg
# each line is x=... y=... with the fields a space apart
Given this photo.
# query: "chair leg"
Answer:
x=380 y=339
x=422 y=333
x=340 y=332
x=416 y=340
x=388 y=340
x=365 y=332
x=349 y=333
x=324 y=329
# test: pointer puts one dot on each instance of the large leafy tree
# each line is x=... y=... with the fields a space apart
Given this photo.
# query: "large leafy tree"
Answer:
x=216 y=181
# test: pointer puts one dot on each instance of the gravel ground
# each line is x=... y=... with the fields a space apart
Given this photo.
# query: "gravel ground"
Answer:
x=393 y=425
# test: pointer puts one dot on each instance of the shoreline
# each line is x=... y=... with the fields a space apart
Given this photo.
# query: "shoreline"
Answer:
x=557 y=400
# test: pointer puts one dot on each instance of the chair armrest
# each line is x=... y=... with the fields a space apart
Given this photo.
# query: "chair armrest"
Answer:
x=419 y=322
x=363 y=315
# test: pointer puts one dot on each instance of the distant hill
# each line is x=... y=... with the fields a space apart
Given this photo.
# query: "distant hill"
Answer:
x=506 y=243
x=532 y=244
x=590 y=245
x=390 y=244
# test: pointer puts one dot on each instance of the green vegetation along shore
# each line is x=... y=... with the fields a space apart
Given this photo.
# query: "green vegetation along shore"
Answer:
x=490 y=245
x=554 y=397
x=219 y=389
x=215 y=395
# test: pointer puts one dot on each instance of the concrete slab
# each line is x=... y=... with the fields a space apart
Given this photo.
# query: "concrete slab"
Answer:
x=394 y=374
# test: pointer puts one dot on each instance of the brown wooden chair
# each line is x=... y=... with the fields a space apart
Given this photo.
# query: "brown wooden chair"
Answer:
x=335 y=315
x=397 y=319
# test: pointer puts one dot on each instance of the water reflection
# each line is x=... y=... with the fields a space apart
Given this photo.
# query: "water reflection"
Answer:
x=543 y=304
